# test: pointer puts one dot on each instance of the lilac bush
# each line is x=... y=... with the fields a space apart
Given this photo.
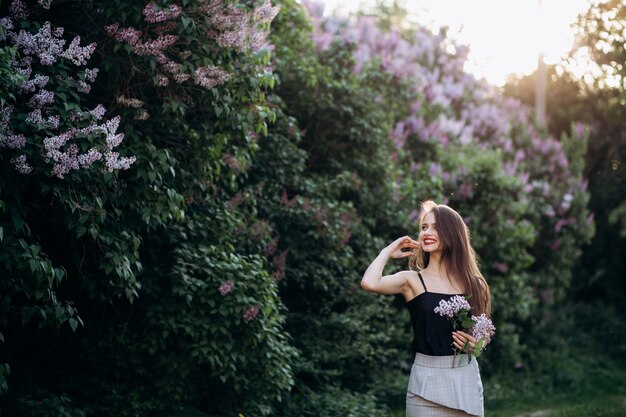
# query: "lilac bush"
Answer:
x=229 y=26
x=173 y=93
x=57 y=129
x=460 y=142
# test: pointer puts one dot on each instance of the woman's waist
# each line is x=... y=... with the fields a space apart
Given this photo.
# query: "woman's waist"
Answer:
x=443 y=361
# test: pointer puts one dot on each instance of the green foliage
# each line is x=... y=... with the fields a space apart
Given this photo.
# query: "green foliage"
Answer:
x=9 y=78
x=219 y=275
x=573 y=365
x=597 y=100
x=90 y=244
x=334 y=402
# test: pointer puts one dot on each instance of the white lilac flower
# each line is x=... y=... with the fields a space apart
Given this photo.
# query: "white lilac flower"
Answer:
x=78 y=54
x=90 y=74
x=98 y=112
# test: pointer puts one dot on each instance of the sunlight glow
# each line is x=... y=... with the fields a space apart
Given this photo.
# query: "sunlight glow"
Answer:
x=505 y=36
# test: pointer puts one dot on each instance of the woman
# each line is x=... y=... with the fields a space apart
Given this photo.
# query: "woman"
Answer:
x=442 y=264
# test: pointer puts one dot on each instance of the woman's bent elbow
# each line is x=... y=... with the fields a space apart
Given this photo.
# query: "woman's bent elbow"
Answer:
x=367 y=286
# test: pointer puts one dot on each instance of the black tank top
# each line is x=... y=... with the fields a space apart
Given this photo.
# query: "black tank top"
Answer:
x=432 y=333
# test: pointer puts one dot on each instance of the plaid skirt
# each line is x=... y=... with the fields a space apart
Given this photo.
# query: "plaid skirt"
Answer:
x=444 y=386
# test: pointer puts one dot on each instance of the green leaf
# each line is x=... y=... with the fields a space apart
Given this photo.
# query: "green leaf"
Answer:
x=73 y=324
x=467 y=323
x=186 y=21
x=18 y=221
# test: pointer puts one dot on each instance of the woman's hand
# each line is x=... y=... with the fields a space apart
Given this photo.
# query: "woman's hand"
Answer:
x=460 y=338
x=395 y=248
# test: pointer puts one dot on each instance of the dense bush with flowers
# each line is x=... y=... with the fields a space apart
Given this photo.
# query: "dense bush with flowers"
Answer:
x=188 y=204
x=121 y=266
x=520 y=190
x=587 y=86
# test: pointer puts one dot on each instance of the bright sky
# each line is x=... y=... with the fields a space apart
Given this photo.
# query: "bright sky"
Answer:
x=504 y=36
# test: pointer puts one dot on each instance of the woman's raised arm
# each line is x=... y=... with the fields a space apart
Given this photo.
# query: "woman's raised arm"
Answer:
x=373 y=279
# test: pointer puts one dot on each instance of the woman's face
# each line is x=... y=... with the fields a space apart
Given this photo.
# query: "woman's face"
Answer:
x=428 y=236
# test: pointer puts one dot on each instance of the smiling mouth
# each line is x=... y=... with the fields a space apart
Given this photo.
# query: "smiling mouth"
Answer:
x=429 y=241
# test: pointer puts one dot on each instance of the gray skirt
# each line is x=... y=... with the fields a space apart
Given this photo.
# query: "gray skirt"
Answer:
x=444 y=386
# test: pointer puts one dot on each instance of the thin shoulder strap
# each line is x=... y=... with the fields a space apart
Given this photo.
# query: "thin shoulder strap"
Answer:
x=422 y=279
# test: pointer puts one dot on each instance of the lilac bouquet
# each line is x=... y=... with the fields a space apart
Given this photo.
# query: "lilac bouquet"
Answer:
x=480 y=327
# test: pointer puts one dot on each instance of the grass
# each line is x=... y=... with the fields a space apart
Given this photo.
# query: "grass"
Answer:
x=600 y=406
x=602 y=393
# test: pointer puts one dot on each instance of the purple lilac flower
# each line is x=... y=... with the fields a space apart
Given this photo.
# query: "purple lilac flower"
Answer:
x=5 y=114
x=210 y=76
x=271 y=247
x=21 y=165
x=144 y=115
x=251 y=313
x=87 y=159
x=235 y=39
x=501 y=266
x=13 y=141
x=42 y=98
x=483 y=328
x=129 y=35
x=266 y=13
x=453 y=306
x=152 y=15
x=45 y=3
x=53 y=143
x=225 y=288
x=83 y=87
x=156 y=46
x=162 y=81
x=46 y=44
x=129 y=101
x=179 y=78
x=36 y=119
x=236 y=200
x=66 y=161
x=230 y=160
x=40 y=81
x=7 y=24
x=17 y=9
x=113 y=161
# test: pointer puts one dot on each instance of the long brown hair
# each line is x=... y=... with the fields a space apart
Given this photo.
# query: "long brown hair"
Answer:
x=457 y=255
